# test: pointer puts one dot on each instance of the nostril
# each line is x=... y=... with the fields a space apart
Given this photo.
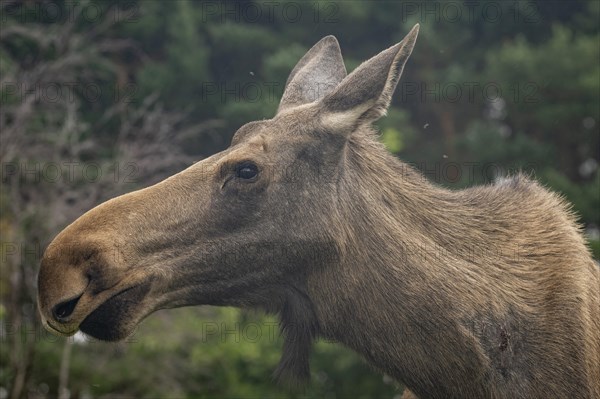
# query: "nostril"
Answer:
x=64 y=309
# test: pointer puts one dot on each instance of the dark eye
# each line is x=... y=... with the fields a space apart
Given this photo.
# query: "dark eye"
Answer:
x=246 y=171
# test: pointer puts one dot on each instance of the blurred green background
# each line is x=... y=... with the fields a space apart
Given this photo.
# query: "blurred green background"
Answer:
x=99 y=98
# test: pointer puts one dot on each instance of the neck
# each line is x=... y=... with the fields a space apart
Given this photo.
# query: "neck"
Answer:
x=385 y=299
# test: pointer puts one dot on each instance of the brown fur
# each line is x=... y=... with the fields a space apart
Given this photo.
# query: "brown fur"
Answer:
x=488 y=292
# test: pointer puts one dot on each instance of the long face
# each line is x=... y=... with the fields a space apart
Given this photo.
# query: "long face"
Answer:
x=226 y=231
x=238 y=228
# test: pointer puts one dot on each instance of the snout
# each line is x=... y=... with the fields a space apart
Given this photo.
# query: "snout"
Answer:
x=66 y=284
x=62 y=283
x=92 y=277
x=88 y=279
x=102 y=274
x=82 y=288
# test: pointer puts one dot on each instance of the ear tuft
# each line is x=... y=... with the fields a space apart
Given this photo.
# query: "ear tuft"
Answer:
x=365 y=94
x=317 y=74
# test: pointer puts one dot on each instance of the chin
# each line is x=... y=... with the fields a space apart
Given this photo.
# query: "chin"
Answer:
x=117 y=318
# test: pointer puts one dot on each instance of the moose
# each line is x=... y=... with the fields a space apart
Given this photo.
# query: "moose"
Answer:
x=486 y=292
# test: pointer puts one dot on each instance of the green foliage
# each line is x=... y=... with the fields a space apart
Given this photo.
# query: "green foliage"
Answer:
x=184 y=67
x=585 y=197
x=548 y=101
x=396 y=131
x=595 y=248
x=203 y=353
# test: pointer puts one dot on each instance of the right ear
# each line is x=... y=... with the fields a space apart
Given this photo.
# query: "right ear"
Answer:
x=316 y=74
x=365 y=95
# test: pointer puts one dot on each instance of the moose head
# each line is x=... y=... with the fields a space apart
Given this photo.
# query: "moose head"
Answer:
x=246 y=227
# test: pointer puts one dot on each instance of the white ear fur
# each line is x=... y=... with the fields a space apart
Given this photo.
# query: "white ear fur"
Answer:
x=346 y=119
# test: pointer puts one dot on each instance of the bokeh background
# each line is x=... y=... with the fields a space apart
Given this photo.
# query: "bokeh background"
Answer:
x=103 y=97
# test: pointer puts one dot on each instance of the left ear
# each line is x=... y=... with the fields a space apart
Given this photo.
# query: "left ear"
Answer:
x=319 y=71
x=365 y=95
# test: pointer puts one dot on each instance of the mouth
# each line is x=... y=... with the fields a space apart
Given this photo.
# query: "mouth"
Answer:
x=116 y=318
x=56 y=331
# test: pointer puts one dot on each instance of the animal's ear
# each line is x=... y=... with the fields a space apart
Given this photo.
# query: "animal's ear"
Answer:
x=316 y=74
x=365 y=95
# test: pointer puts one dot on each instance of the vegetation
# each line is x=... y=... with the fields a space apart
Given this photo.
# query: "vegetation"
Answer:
x=99 y=98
